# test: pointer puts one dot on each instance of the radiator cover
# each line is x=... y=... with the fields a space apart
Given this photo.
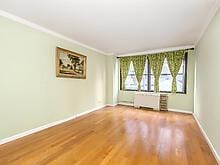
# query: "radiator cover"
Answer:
x=150 y=100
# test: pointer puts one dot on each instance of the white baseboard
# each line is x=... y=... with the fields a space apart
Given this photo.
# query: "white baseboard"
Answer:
x=111 y=105
x=217 y=157
x=20 y=135
x=125 y=103
x=34 y=130
x=172 y=110
x=179 y=110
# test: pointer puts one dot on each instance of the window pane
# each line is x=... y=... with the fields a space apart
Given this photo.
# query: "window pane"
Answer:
x=165 y=69
x=146 y=68
x=181 y=68
x=144 y=82
x=180 y=83
x=166 y=79
x=151 y=83
x=181 y=78
x=166 y=82
x=131 y=80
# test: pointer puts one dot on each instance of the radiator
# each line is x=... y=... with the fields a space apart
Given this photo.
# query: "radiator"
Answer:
x=150 y=100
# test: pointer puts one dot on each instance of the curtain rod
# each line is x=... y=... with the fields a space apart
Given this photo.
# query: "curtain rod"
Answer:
x=158 y=52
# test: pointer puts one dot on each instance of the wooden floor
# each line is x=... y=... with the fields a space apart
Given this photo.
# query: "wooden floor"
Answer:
x=118 y=135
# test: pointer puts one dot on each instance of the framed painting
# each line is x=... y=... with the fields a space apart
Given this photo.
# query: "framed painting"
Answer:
x=70 y=64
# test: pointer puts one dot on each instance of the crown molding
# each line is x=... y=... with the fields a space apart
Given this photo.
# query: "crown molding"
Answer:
x=153 y=51
x=48 y=31
x=208 y=20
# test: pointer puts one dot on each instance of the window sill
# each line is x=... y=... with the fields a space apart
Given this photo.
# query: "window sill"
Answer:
x=130 y=90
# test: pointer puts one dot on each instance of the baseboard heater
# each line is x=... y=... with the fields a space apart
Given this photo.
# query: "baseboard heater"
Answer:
x=157 y=101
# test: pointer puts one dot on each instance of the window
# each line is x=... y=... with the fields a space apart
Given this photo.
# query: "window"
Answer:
x=147 y=82
x=131 y=80
x=166 y=79
x=144 y=81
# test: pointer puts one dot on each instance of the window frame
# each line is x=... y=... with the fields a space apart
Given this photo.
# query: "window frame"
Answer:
x=185 y=60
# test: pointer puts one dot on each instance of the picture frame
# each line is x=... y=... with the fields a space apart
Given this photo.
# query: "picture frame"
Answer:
x=70 y=64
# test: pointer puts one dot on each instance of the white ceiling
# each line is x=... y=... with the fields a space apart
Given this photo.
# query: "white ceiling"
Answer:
x=118 y=26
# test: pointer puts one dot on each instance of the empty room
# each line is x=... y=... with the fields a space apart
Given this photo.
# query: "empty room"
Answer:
x=110 y=82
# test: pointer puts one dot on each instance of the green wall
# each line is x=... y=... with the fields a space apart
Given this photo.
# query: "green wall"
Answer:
x=30 y=93
x=207 y=86
x=112 y=80
x=183 y=102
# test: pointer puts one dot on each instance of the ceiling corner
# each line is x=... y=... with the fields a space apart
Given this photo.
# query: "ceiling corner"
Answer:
x=208 y=20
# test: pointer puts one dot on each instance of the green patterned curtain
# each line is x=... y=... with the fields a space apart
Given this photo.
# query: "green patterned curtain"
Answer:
x=139 y=64
x=124 y=68
x=175 y=60
x=156 y=64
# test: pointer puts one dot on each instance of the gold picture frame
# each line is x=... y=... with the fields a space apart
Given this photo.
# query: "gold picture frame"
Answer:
x=70 y=64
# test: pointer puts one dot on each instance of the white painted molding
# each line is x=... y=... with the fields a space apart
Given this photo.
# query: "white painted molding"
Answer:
x=48 y=31
x=217 y=157
x=28 y=132
x=153 y=51
x=169 y=109
x=208 y=20
x=126 y=103
x=111 y=105
x=180 y=111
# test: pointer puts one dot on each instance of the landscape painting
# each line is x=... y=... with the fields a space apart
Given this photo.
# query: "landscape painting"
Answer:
x=70 y=64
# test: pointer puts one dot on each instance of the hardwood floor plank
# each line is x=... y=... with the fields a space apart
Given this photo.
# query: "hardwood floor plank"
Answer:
x=114 y=135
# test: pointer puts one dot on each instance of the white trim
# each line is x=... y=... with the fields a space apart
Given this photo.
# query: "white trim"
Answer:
x=153 y=51
x=126 y=103
x=111 y=105
x=180 y=110
x=34 y=130
x=171 y=110
x=45 y=30
x=217 y=157
x=208 y=20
